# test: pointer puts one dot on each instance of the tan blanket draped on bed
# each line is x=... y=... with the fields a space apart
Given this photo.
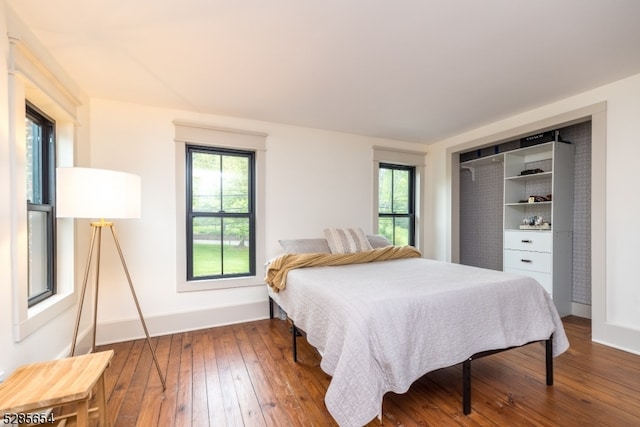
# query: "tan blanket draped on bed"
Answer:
x=278 y=269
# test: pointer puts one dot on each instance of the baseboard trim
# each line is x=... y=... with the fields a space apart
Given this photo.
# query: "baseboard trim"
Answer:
x=581 y=310
x=131 y=329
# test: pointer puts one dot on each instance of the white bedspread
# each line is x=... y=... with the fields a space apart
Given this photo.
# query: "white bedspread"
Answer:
x=380 y=326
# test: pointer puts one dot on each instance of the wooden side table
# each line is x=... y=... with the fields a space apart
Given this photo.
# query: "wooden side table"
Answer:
x=37 y=387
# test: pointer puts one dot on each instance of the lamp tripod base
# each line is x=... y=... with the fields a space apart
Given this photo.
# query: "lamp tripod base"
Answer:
x=96 y=237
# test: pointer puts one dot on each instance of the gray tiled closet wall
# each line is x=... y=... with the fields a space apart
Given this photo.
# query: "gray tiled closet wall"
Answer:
x=481 y=210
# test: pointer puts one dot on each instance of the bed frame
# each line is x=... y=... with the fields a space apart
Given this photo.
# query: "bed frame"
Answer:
x=466 y=365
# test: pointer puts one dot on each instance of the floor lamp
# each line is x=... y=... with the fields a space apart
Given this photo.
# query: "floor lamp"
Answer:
x=99 y=193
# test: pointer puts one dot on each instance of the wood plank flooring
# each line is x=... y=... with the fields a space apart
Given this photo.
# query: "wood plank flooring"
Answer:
x=243 y=375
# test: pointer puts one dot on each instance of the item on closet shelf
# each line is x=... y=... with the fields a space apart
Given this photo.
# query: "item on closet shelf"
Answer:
x=534 y=223
x=537 y=199
x=540 y=138
x=531 y=171
x=545 y=226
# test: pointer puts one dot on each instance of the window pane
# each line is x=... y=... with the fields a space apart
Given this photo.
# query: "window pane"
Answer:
x=235 y=184
x=401 y=231
x=385 y=228
x=34 y=161
x=236 y=246
x=396 y=229
x=205 y=182
x=385 y=190
x=220 y=246
x=38 y=253
x=207 y=253
x=401 y=191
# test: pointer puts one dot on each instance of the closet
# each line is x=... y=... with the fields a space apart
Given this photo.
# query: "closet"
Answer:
x=525 y=208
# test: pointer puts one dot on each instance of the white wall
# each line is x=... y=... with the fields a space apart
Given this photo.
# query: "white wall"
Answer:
x=314 y=179
x=53 y=338
x=6 y=338
x=616 y=294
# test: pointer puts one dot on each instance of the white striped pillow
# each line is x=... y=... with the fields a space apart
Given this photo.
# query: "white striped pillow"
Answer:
x=347 y=240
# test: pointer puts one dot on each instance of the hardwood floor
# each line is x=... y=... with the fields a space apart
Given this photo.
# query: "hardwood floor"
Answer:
x=244 y=375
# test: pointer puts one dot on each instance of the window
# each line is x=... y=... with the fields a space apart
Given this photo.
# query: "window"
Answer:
x=220 y=213
x=225 y=143
x=396 y=203
x=42 y=123
x=40 y=181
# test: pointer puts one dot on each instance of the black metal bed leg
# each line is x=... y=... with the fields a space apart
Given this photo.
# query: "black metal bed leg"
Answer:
x=548 y=344
x=466 y=386
x=270 y=308
x=294 y=334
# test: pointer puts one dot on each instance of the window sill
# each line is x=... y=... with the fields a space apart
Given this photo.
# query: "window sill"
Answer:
x=213 y=284
x=43 y=313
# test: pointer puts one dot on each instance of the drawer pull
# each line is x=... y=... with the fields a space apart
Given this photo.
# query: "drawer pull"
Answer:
x=527 y=241
x=526 y=260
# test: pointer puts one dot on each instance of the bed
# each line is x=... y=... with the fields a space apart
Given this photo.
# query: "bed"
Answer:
x=381 y=324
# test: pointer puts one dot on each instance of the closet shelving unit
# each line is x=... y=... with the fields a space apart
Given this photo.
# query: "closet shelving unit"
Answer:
x=543 y=253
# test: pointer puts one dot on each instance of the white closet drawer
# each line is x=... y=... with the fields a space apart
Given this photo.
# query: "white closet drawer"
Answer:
x=543 y=278
x=526 y=260
x=538 y=241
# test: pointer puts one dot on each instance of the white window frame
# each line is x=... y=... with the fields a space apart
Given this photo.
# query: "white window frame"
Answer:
x=31 y=78
x=187 y=133
x=415 y=159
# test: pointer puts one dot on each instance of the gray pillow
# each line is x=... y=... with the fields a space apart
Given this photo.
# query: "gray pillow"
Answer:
x=378 y=241
x=305 y=246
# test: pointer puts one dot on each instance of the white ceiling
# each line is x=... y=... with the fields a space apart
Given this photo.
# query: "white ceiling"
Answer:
x=415 y=70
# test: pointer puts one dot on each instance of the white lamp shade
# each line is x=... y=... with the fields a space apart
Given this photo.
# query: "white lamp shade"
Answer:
x=97 y=193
